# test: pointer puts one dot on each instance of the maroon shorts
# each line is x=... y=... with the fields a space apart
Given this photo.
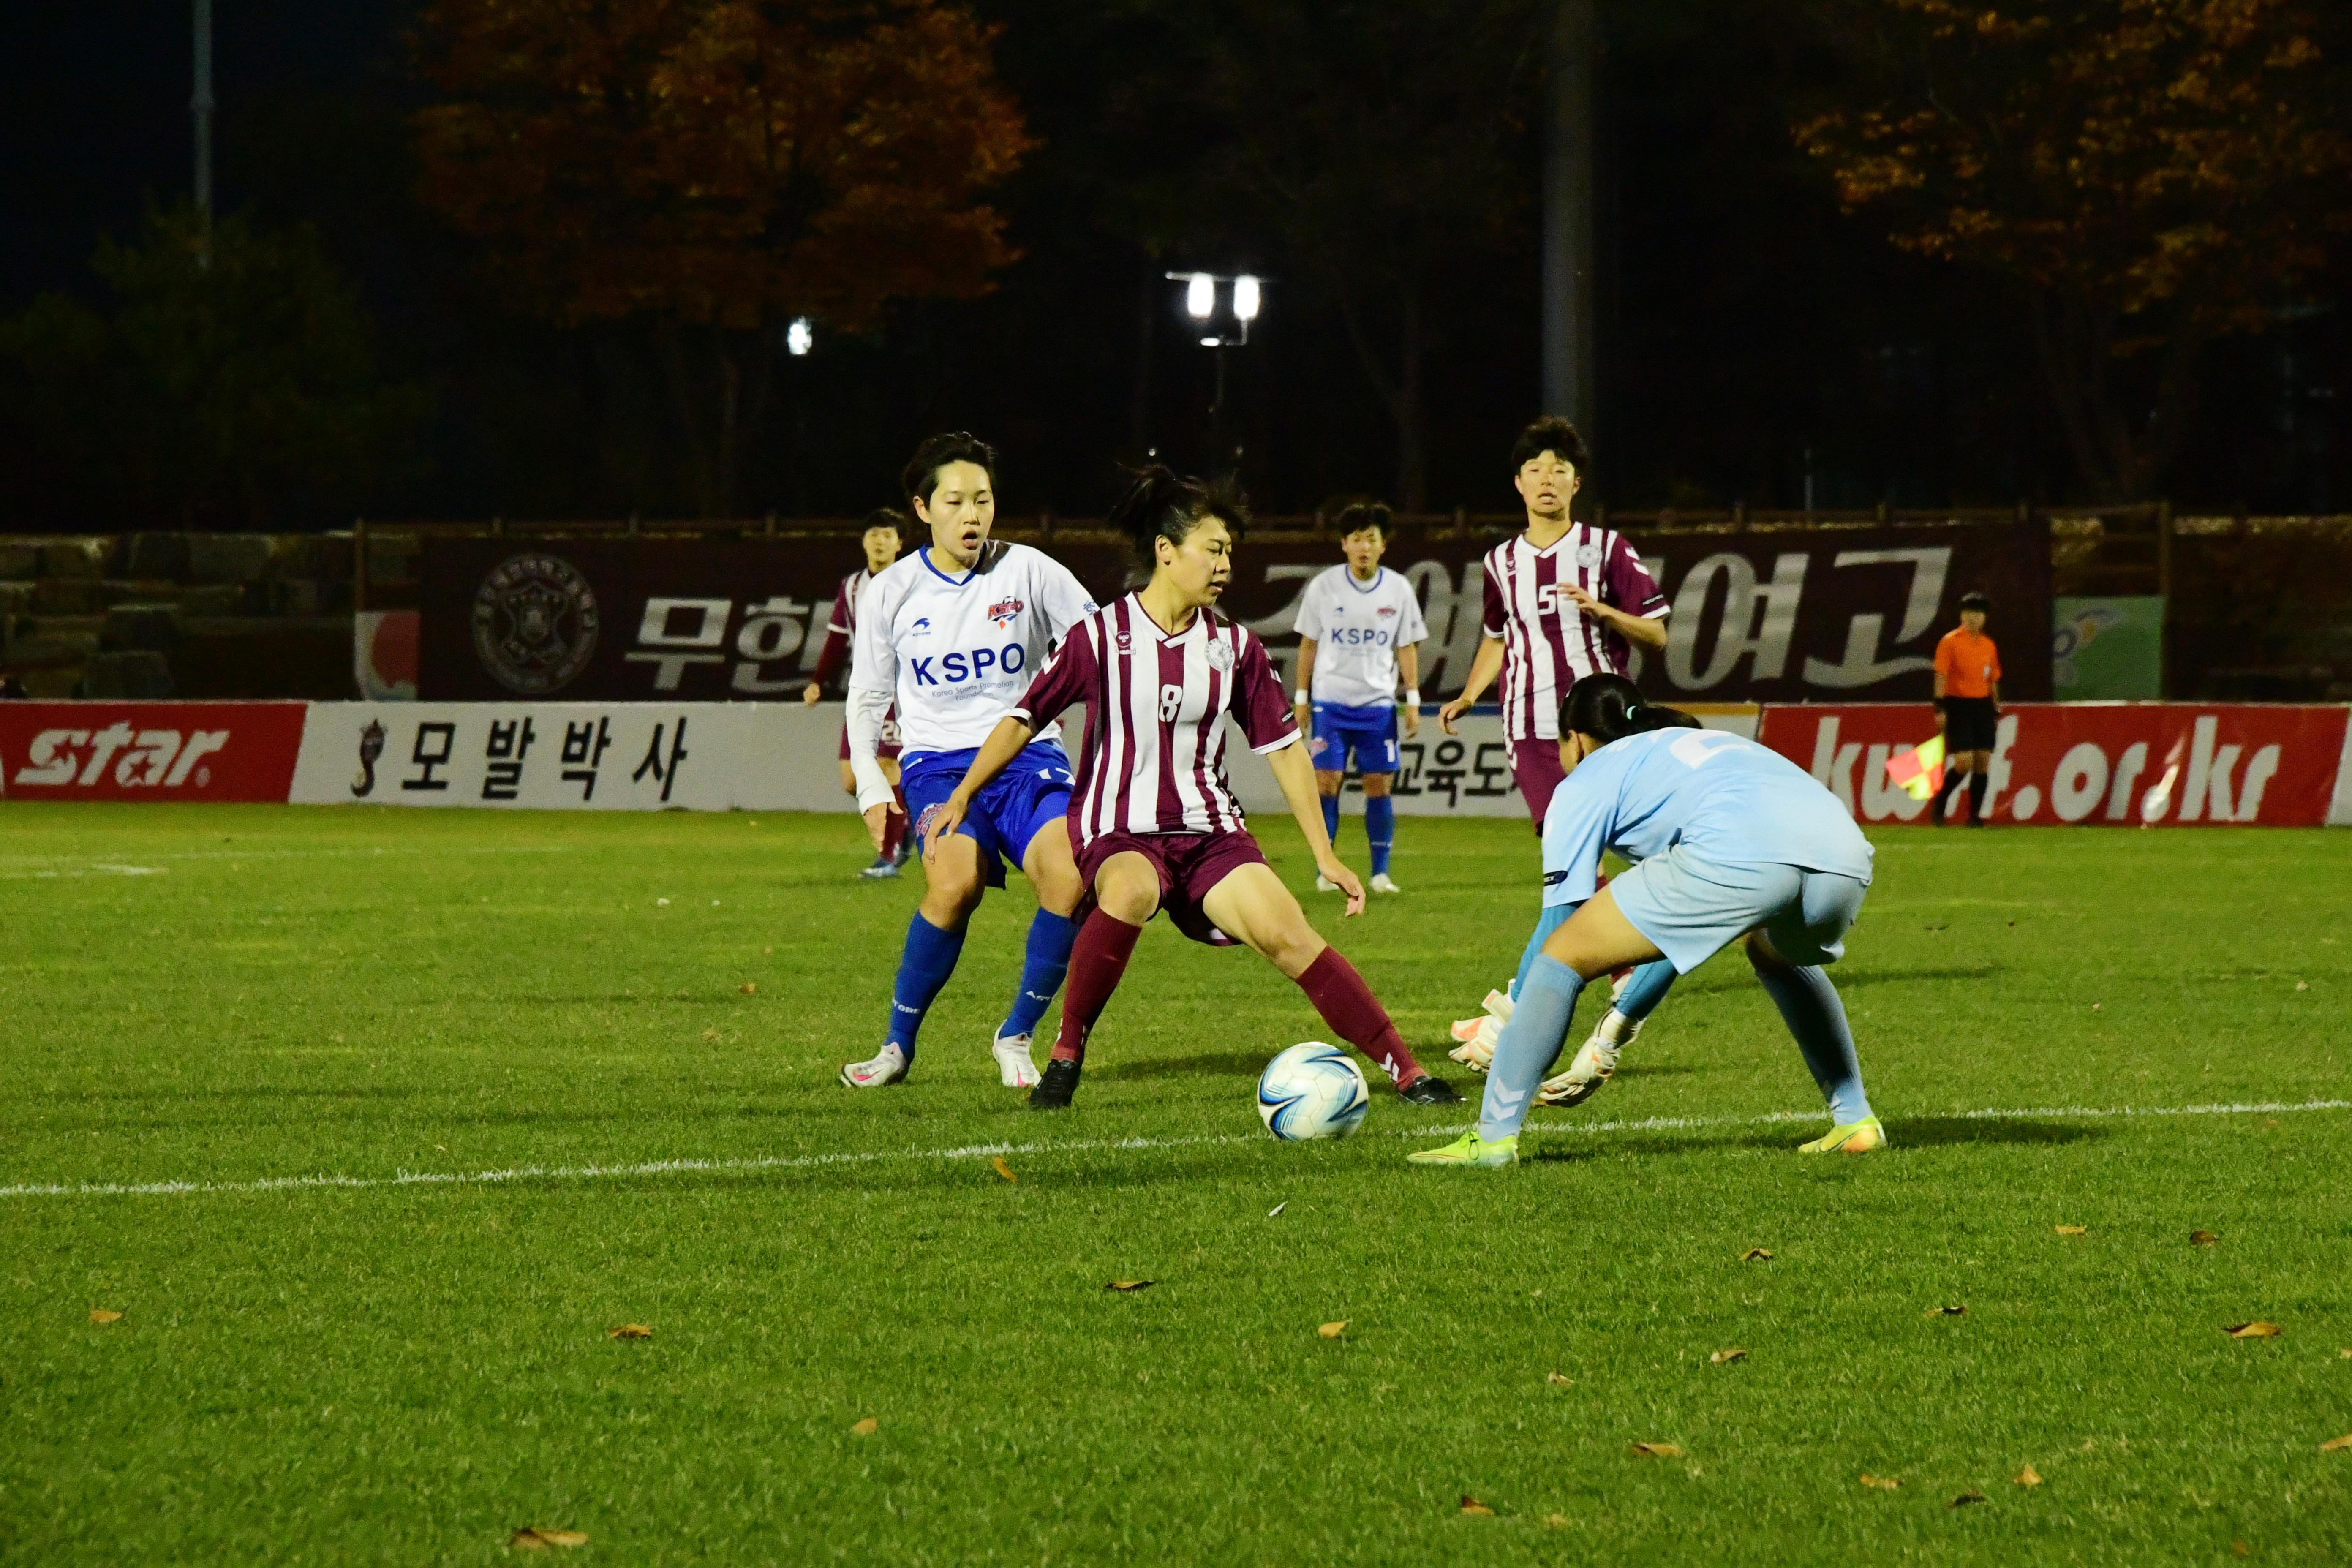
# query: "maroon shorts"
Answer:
x=887 y=747
x=1189 y=863
x=1535 y=764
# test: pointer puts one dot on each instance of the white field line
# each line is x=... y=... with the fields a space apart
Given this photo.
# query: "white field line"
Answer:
x=979 y=1150
x=376 y=852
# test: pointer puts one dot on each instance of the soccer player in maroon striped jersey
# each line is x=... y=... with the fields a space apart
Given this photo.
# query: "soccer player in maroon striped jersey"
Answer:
x=1564 y=600
x=886 y=529
x=1153 y=812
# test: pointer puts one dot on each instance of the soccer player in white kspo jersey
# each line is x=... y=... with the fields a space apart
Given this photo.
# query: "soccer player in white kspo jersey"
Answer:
x=1160 y=671
x=1564 y=600
x=1359 y=627
x=952 y=635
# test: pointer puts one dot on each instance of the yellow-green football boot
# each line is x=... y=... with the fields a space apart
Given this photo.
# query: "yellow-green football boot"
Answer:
x=1471 y=1150
x=1863 y=1137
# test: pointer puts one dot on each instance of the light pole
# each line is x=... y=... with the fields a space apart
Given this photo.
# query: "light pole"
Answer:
x=1221 y=307
x=200 y=105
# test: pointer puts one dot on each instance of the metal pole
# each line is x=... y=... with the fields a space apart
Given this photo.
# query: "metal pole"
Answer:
x=1218 y=454
x=201 y=105
x=1568 y=225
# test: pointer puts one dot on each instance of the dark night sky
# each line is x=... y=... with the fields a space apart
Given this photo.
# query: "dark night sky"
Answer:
x=1745 y=321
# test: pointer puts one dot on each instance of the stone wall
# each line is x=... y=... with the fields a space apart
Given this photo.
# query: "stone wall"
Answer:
x=177 y=615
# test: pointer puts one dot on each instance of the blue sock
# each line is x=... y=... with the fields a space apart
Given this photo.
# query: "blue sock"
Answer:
x=1530 y=1044
x=1379 y=826
x=1810 y=1007
x=1050 y=938
x=1331 y=817
x=1648 y=987
x=1554 y=916
x=924 y=965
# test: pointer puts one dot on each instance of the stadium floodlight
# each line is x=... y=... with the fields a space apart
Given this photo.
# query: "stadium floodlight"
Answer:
x=1246 y=299
x=800 y=337
x=1221 y=305
x=1200 y=296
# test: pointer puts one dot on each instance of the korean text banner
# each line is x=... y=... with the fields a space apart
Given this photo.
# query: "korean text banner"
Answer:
x=149 y=750
x=2118 y=765
x=1765 y=615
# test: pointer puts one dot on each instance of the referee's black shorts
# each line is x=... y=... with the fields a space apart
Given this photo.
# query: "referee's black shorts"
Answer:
x=1968 y=724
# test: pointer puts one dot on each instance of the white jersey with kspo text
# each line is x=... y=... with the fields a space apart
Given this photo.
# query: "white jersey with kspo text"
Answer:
x=1357 y=628
x=955 y=651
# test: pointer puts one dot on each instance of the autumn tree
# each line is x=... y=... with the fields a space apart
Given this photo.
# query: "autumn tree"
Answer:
x=714 y=169
x=2150 y=174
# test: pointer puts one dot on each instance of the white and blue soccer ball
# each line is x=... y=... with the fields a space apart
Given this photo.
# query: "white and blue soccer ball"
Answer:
x=1312 y=1091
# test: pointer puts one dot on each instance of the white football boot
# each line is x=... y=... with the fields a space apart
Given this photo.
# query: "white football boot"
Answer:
x=889 y=1066
x=1383 y=883
x=1015 y=1068
x=1324 y=884
x=1478 y=1034
x=1594 y=1064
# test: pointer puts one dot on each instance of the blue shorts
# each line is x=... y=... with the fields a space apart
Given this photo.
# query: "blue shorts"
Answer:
x=1369 y=732
x=1033 y=789
x=1691 y=908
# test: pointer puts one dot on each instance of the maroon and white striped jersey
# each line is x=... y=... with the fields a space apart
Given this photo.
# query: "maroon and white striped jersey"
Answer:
x=843 y=628
x=1548 y=644
x=1154 y=754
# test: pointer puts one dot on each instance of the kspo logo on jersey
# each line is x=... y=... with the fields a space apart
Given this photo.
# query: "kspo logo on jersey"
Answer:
x=1359 y=636
x=953 y=669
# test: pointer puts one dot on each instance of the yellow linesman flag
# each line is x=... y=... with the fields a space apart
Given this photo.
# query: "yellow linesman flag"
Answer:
x=1919 y=773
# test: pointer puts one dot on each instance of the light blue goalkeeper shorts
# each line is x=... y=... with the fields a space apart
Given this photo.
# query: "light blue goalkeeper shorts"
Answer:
x=1691 y=910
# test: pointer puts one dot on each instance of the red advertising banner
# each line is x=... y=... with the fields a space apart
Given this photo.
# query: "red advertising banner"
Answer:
x=2107 y=765
x=150 y=751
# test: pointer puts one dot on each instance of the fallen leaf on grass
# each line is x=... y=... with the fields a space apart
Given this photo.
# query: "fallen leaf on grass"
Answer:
x=1719 y=1357
x=2071 y=1229
x=1965 y=1498
x=1131 y=1284
x=1559 y=1379
x=100 y=1315
x=1884 y=1483
x=748 y=988
x=2303 y=985
x=1277 y=1208
x=1003 y=1168
x=1333 y=1330
x=1557 y=1520
x=630 y=1332
x=2257 y=1330
x=536 y=1540
x=1658 y=1451
x=2029 y=1477
x=2344 y=1355
x=2336 y=1445
x=1946 y=1312
x=711 y=1036
x=1473 y=1507
x=2202 y=1237
x=2240 y=1549
x=866 y=1428
x=1757 y=1254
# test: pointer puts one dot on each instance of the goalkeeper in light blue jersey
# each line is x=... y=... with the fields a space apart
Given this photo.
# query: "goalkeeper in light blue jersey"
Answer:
x=1728 y=840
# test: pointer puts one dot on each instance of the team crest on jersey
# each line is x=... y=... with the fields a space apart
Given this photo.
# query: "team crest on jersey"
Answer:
x=1385 y=610
x=1589 y=555
x=1221 y=657
x=1004 y=610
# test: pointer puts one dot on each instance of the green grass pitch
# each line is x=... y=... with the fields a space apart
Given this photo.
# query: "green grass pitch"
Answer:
x=407 y=1372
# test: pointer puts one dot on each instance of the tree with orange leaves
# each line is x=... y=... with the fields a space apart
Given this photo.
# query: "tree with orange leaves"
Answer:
x=2151 y=175
x=717 y=168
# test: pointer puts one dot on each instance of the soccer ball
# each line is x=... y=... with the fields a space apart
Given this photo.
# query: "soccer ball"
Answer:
x=1312 y=1091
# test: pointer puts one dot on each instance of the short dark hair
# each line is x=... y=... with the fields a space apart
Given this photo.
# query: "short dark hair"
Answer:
x=1609 y=708
x=886 y=516
x=1362 y=514
x=1161 y=504
x=1974 y=599
x=922 y=472
x=1549 y=434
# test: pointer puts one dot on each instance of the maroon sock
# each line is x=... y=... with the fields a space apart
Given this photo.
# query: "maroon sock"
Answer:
x=894 y=828
x=1098 y=959
x=1355 y=1015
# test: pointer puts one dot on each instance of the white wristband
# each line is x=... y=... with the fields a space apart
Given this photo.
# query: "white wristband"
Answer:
x=1411 y=696
x=1303 y=700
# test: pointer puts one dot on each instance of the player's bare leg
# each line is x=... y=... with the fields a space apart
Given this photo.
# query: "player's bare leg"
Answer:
x=1253 y=907
x=1127 y=895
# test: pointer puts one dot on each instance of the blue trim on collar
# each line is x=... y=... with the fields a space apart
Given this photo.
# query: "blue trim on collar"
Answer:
x=1378 y=572
x=957 y=582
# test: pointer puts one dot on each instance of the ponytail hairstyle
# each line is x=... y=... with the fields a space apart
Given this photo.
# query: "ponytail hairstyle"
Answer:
x=1609 y=708
x=1363 y=513
x=1161 y=504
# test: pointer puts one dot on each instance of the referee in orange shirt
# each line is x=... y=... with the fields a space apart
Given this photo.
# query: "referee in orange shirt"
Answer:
x=1968 y=705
